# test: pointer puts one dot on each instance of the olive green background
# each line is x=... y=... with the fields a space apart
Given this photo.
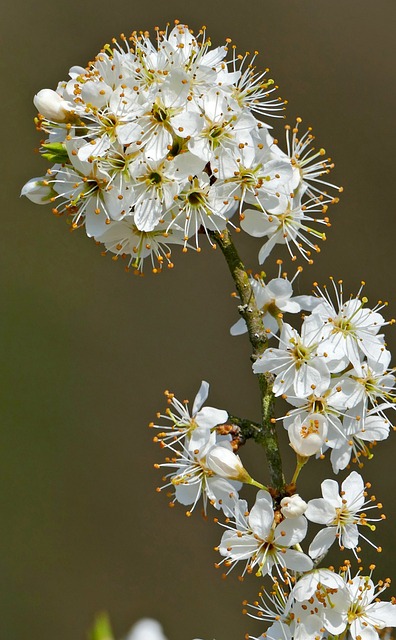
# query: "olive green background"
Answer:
x=88 y=349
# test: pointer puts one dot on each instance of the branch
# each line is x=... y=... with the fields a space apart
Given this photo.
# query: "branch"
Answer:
x=252 y=315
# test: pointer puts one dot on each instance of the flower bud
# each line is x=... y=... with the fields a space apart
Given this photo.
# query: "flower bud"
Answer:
x=293 y=506
x=51 y=105
x=146 y=629
x=226 y=464
x=307 y=438
x=38 y=191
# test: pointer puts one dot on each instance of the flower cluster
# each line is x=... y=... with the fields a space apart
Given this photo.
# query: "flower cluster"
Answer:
x=153 y=145
x=266 y=539
x=335 y=373
x=324 y=603
x=202 y=459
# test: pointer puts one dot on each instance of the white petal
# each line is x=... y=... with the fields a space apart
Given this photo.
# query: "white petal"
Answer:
x=210 y=417
x=384 y=613
x=291 y=531
x=201 y=397
x=261 y=518
x=353 y=486
x=296 y=560
x=330 y=492
x=320 y=511
x=239 y=328
x=350 y=536
x=187 y=493
x=359 y=629
x=322 y=542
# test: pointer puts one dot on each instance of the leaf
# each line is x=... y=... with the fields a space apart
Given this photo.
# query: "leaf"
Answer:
x=55 y=152
x=101 y=629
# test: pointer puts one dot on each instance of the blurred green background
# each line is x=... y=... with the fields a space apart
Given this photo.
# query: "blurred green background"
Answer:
x=88 y=349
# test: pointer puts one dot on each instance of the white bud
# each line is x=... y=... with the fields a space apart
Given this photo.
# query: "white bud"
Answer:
x=51 y=105
x=146 y=629
x=226 y=464
x=308 y=437
x=37 y=191
x=293 y=506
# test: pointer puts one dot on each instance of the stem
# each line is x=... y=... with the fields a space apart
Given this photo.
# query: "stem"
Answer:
x=254 y=483
x=248 y=428
x=266 y=436
x=301 y=461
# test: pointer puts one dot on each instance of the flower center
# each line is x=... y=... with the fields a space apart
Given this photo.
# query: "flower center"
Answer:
x=343 y=325
x=309 y=428
x=343 y=516
x=300 y=353
x=159 y=113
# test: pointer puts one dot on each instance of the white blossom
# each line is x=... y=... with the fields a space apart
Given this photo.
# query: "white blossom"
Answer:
x=297 y=364
x=307 y=437
x=273 y=299
x=342 y=511
x=195 y=427
x=192 y=479
x=170 y=131
x=256 y=538
x=366 y=613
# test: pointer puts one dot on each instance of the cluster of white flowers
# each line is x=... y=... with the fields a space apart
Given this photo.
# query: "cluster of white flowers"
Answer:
x=324 y=604
x=267 y=538
x=153 y=145
x=336 y=375
x=202 y=459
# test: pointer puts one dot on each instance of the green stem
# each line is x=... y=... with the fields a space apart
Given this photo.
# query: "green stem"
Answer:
x=266 y=436
x=254 y=483
x=301 y=461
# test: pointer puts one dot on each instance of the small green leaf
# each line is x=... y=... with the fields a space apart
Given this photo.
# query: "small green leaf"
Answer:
x=55 y=152
x=101 y=629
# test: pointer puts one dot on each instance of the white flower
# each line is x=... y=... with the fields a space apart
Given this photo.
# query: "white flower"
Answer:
x=196 y=427
x=319 y=606
x=341 y=513
x=355 y=432
x=350 y=330
x=309 y=166
x=274 y=606
x=146 y=629
x=307 y=437
x=90 y=195
x=254 y=90
x=273 y=299
x=288 y=222
x=366 y=614
x=201 y=205
x=256 y=538
x=123 y=238
x=192 y=479
x=293 y=506
x=298 y=366
x=257 y=173
x=167 y=129
x=370 y=384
